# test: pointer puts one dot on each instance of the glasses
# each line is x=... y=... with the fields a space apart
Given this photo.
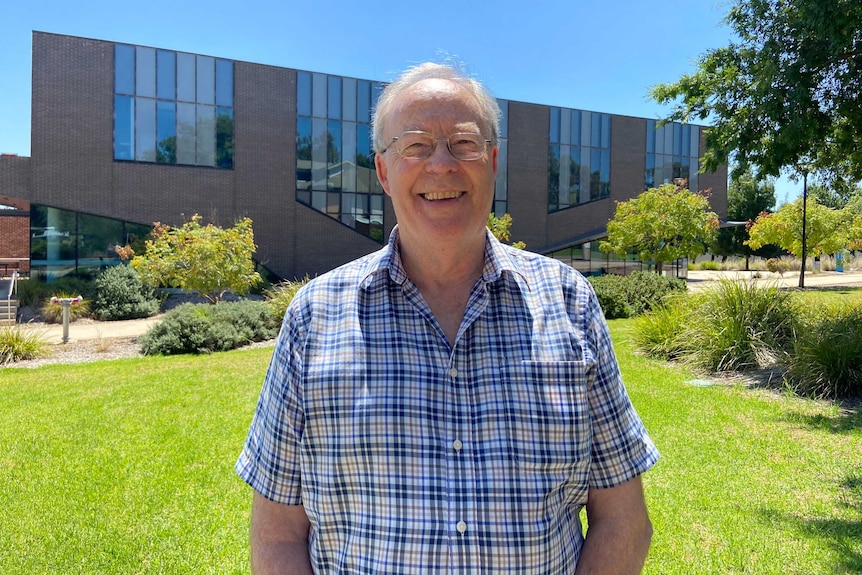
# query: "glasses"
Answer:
x=463 y=146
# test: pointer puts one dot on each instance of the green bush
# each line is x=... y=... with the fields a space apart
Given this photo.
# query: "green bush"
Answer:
x=778 y=266
x=120 y=294
x=53 y=313
x=709 y=265
x=826 y=361
x=661 y=332
x=205 y=328
x=17 y=344
x=279 y=296
x=634 y=294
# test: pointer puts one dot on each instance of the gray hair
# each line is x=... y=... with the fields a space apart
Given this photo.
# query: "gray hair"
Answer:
x=489 y=110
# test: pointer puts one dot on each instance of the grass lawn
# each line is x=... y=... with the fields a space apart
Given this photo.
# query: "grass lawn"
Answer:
x=126 y=466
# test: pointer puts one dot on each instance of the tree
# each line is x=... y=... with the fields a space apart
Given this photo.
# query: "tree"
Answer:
x=207 y=259
x=500 y=228
x=746 y=199
x=784 y=93
x=662 y=224
x=828 y=230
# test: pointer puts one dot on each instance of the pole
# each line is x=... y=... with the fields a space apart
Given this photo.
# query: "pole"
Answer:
x=804 y=218
x=67 y=305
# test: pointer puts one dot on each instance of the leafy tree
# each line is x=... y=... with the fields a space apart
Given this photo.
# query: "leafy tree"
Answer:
x=746 y=199
x=828 y=230
x=207 y=259
x=662 y=224
x=500 y=228
x=784 y=93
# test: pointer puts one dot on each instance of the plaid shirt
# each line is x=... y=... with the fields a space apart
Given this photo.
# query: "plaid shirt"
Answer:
x=414 y=456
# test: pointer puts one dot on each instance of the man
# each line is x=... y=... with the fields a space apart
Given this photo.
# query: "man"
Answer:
x=447 y=404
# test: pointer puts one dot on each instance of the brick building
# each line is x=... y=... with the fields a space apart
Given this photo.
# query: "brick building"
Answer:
x=123 y=136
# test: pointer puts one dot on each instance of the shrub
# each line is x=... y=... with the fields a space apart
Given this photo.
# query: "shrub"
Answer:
x=611 y=293
x=661 y=332
x=281 y=294
x=710 y=265
x=205 y=328
x=640 y=291
x=120 y=294
x=17 y=344
x=777 y=266
x=826 y=362
x=53 y=313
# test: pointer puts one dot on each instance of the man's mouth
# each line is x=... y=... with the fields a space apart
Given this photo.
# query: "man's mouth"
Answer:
x=432 y=196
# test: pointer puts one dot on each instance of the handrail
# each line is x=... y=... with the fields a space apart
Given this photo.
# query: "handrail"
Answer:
x=12 y=281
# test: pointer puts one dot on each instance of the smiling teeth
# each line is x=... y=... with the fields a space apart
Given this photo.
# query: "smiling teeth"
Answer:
x=442 y=195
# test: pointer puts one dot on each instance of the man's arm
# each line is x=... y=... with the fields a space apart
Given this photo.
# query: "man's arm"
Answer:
x=618 y=533
x=279 y=538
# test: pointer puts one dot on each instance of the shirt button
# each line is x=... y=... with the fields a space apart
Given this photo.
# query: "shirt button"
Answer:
x=461 y=527
x=457 y=445
x=453 y=372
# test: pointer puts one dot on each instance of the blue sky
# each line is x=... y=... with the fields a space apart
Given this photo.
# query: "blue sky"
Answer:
x=592 y=55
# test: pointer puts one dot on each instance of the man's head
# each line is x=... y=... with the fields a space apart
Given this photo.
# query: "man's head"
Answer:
x=435 y=138
x=487 y=104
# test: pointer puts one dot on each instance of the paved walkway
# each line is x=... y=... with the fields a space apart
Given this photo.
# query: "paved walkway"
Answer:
x=90 y=330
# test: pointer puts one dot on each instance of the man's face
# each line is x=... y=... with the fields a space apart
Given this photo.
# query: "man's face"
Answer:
x=439 y=198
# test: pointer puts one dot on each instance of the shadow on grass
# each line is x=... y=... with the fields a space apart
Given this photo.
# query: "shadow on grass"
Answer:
x=847 y=419
x=844 y=536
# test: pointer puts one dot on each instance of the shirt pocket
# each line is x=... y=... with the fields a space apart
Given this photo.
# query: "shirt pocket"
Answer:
x=547 y=415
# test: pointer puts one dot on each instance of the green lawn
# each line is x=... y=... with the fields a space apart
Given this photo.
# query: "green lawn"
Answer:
x=126 y=466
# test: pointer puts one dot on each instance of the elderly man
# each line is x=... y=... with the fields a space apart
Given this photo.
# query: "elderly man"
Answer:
x=447 y=404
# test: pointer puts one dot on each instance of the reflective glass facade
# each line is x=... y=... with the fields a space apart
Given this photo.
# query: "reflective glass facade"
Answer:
x=579 y=158
x=335 y=172
x=672 y=154
x=172 y=107
x=501 y=188
x=63 y=241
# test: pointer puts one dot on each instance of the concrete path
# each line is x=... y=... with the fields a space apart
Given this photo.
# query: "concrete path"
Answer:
x=699 y=279
x=88 y=329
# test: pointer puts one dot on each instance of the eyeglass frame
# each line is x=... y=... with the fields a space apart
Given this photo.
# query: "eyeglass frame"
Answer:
x=434 y=145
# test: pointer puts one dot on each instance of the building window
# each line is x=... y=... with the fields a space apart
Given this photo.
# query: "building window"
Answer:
x=172 y=107
x=579 y=158
x=335 y=172
x=672 y=154
x=501 y=187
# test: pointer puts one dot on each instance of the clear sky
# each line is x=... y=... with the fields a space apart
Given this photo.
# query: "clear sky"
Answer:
x=588 y=54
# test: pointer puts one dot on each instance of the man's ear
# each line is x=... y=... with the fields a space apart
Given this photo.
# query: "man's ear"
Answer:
x=382 y=173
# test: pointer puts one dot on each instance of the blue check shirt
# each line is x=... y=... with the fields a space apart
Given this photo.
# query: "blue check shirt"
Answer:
x=414 y=456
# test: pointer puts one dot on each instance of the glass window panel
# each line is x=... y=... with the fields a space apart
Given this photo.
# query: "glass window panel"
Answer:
x=677 y=167
x=186 y=77
x=333 y=155
x=348 y=209
x=585 y=173
x=166 y=134
x=686 y=170
x=695 y=142
x=596 y=130
x=500 y=207
x=205 y=80
x=97 y=237
x=650 y=136
x=668 y=139
x=686 y=139
x=304 y=196
x=606 y=131
x=693 y=183
x=677 y=139
x=365 y=172
x=575 y=175
x=333 y=204
x=318 y=201
x=376 y=90
x=303 y=153
x=303 y=93
x=659 y=139
x=205 y=142
x=606 y=173
x=318 y=94
x=504 y=118
x=555 y=125
x=124 y=128
x=145 y=72
x=348 y=98
x=224 y=83
x=576 y=127
x=595 y=174
x=363 y=101
x=668 y=168
x=334 y=97
x=553 y=177
x=565 y=176
x=124 y=69
x=224 y=137
x=318 y=153
x=348 y=154
x=649 y=180
x=186 y=133
x=166 y=72
x=565 y=126
x=586 y=122
x=501 y=192
x=145 y=130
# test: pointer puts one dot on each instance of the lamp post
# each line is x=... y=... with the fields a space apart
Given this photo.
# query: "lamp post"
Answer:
x=804 y=218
